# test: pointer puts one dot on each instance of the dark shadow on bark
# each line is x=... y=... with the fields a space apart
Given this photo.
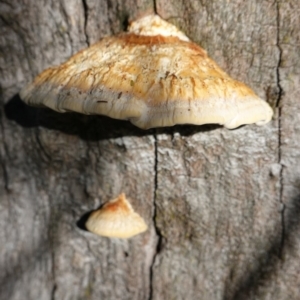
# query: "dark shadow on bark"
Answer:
x=272 y=258
x=81 y=222
x=87 y=127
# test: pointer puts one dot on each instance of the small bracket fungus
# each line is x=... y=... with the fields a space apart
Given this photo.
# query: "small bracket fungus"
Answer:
x=117 y=219
x=153 y=76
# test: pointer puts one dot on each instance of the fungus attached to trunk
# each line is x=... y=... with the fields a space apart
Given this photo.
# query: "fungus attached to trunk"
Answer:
x=152 y=76
x=117 y=219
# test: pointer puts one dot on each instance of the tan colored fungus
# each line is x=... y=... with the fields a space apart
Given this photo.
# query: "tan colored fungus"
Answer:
x=117 y=219
x=152 y=76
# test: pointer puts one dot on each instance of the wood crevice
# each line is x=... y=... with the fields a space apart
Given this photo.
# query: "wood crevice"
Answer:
x=279 y=107
x=86 y=16
x=2 y=160
x=154 y=214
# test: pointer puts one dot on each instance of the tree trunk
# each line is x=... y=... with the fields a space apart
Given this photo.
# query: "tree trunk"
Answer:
x=222 y=206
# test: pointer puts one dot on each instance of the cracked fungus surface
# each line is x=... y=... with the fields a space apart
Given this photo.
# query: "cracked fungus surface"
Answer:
x=152 y=76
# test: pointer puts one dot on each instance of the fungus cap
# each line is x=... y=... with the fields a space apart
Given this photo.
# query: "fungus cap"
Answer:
x=152 y=76
x=117 y=219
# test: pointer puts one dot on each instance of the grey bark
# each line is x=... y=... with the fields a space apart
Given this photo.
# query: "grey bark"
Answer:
x=222 y=206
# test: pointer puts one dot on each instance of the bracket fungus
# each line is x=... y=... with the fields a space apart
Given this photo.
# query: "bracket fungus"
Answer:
x=153 y=76
x=117 y=219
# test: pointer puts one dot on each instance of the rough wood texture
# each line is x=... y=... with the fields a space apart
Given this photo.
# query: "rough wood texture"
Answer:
x=222 y=206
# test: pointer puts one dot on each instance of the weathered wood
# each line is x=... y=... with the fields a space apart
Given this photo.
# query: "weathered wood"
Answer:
x=222 y=206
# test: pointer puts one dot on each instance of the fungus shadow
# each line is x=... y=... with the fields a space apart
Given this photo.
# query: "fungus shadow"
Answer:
x=82 y=220
x=87 y=127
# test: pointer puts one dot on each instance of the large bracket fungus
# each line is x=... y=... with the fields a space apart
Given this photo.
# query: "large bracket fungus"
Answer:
x=153 y=76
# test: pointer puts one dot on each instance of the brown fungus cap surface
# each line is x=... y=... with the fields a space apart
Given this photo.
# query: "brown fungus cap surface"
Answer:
x=116 y=219
x=152 y=76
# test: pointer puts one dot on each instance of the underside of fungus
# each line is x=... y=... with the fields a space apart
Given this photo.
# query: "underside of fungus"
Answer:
x=116 y=219
x=152 y=76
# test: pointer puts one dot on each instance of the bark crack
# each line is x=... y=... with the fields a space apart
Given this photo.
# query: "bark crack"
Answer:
x=4 y=153
x=46 y=156
x=5 y=175
x=155 y=7
x=157 y=231
x=51 y=237
x=278 y=106
x=86 y=15
x=53 y=291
